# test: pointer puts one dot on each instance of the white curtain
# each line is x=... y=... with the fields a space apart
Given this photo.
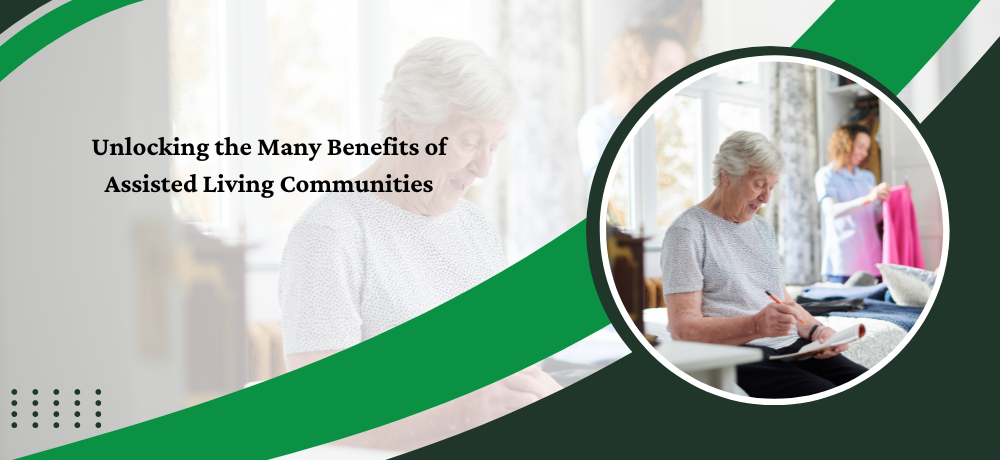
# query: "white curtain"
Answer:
x=539 y=192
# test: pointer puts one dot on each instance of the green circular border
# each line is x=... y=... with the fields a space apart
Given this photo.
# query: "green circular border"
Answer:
x=594 y=212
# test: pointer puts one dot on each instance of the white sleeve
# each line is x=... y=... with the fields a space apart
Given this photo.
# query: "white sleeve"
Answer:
x=320 y=289
x=832 y=208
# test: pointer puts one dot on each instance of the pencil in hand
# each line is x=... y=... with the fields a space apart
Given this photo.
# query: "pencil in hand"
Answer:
x=775 y=299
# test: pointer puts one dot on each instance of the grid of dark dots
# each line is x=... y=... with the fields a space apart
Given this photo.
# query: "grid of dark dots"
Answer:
x=55 y=403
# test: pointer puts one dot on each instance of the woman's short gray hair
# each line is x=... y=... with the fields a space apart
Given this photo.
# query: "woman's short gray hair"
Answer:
x=743 y=150
x=441 y=77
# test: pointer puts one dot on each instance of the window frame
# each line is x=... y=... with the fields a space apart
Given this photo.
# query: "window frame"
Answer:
x=711 y=90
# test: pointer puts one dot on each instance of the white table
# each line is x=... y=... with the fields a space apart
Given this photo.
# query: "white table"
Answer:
x=714 y=365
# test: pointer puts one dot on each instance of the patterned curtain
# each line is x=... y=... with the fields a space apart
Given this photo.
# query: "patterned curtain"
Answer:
x=539 y=192
x=796 y=215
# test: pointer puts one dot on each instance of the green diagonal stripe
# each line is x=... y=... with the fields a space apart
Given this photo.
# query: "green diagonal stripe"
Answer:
x=891 y=40
x=47 y=29
x=519 y=317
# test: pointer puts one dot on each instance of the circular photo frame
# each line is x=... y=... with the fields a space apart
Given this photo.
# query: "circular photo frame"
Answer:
x=721 y=89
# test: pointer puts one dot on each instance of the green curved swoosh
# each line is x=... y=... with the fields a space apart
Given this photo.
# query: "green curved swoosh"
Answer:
x=520 y=316
x=47 y=29
x=891 y=40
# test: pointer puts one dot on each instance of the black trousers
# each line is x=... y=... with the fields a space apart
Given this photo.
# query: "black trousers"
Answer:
x=789 y=379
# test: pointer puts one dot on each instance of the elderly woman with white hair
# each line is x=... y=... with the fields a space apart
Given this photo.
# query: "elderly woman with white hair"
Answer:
x=718 y=259
x=358 y=264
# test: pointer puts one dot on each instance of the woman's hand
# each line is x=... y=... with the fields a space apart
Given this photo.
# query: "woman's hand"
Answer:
x=507 y=395
x=821 y=335
x=775 y=320
x=880 y=192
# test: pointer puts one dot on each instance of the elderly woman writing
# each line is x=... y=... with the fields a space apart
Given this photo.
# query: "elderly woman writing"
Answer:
x=358 y=264
x=719 y=257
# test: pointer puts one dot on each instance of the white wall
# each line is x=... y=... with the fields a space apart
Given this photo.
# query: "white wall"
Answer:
x=732 y=24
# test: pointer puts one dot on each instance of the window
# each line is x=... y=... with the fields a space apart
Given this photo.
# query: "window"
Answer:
x=618 y=203
x=688 y=129
x=317 y=73
x=296 y=71
x=735 y=117
x=310 y=97
x=195 y=98
x=678 y=142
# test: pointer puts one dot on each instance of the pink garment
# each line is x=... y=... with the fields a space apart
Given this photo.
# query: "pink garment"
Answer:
x=900 y=239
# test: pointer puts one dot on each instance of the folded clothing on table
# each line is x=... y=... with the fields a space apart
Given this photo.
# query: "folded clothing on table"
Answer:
x=875 y=292
x=818 y=307
x=875 y=306
x=904 y=317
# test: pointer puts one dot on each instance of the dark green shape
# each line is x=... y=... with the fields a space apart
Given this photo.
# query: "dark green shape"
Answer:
x=56 y=402
x=55 y=392
x=13 y=425
x=98 y=402
x=55 y=425
x=77 y=402
x=34 y=403
x=34 y=414
x=98 y=424
x=13 y=392
x=77 y=424
x=891 y=40
x=55 y=414
x=13 y=414
x=13 y=403
x=77 y=391
x=77 y=413
x=11 y=12
x=98 y=413
x=34 y=392
x=98 y=392
x=34 y=425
